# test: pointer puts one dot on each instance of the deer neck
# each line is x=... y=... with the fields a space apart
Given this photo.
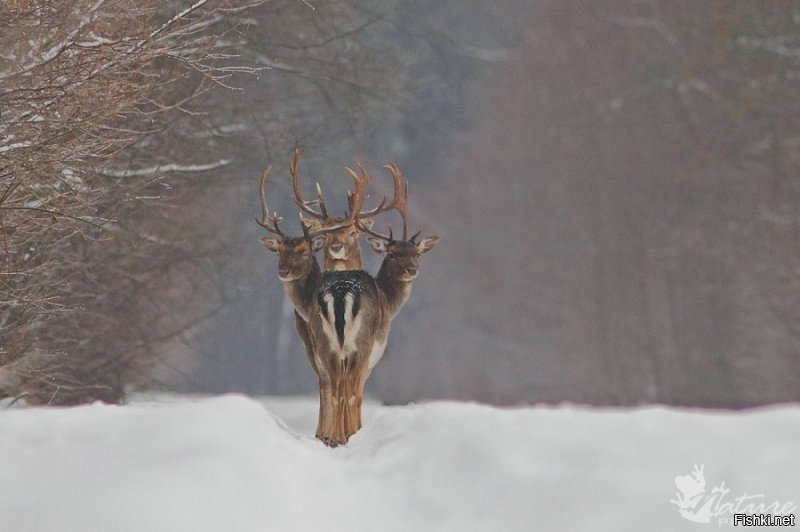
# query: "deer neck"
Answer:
x=395 y=290
x=301 y=290
x=353 y=262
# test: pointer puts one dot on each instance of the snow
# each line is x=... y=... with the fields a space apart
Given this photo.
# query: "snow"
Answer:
x=14 y=146
x=236 y=464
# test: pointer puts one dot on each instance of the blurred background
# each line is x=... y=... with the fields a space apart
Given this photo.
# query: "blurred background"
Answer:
x=615 y=184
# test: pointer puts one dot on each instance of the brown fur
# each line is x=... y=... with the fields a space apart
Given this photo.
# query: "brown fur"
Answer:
x=342 y=249
x=300 y=273
x=343 y=361
x=343 y=374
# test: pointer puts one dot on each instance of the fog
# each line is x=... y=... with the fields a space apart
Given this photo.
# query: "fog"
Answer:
x=615 y=185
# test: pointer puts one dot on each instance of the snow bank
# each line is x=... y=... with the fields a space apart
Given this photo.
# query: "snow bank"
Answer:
x=228 y=463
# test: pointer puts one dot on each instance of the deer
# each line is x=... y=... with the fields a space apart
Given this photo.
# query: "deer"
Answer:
x=300 y=272
x=351 y=323
x=342 y=250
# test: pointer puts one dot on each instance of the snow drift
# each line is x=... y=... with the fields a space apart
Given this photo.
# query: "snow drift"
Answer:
x=234 y=464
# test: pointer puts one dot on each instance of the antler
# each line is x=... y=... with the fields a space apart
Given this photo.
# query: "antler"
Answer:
x=399 y=197
x=268 y=222
x=399 y=203
x=356 y=199
x=400 y=200
x=305 y=206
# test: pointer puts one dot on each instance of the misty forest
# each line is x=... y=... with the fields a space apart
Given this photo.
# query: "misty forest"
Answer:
x=615 y=187
x=612 y=187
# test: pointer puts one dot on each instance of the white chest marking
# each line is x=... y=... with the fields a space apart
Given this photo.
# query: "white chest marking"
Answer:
x=328 y=326
x=352 y=326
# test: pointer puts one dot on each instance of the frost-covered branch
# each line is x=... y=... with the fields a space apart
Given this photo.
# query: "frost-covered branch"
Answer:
x=165 y=169
x=54 y=51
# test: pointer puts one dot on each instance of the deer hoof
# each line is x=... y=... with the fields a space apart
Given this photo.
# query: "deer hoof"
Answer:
x=328 y=441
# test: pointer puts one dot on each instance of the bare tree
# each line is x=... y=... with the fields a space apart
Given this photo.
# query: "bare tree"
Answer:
x=128 y=134
x=81 y=82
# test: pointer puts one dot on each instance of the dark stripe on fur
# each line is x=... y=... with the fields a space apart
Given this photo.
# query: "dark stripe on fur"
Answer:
x=338 y=312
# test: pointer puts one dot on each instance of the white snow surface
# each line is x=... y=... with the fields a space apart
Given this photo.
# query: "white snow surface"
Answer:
x=232 y=464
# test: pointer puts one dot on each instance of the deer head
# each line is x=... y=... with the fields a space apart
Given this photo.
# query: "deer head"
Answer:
x=402 y=256
x=295 y=254
x=342 y=250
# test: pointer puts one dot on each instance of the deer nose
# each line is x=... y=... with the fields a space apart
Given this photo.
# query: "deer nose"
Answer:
x=283 y=272
x=411 y=270
x=336 y=248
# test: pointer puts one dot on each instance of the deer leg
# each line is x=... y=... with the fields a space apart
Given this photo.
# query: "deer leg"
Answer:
x=326 y=376
x=345 y=412
x=352 y=406
x=354 y=389
x=343 y=398
x=348 y=402
x=360 y=383
x=325 y=411
x=337 y=433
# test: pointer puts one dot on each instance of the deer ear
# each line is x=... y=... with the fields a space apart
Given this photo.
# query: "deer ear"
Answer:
x=368 y=223
x=427 y=244
x=311 y=223
x=317 y=243
x=270 y=243
x=377 y=244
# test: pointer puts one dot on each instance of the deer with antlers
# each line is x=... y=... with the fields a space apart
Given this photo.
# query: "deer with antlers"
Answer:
x=342 y=250
x=355 y=314
x=300 y=272
x=343 y=317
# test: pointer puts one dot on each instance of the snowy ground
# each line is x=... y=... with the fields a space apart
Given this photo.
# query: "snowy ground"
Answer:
x=233 y=464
